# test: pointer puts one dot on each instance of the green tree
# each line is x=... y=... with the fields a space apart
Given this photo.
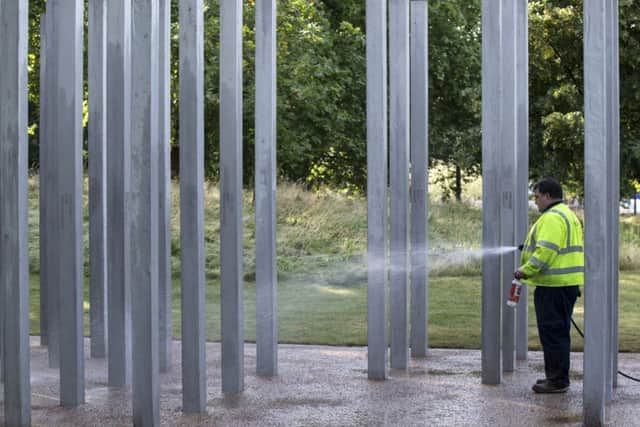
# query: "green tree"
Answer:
x=320 y=97
x=454 y=89
x=556 y=91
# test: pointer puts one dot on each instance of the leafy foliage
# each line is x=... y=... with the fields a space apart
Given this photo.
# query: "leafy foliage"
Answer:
x=455 y=88
x=320 y=95
x=322 y=90
x=556 y=91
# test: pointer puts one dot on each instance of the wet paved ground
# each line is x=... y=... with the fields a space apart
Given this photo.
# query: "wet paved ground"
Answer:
x=328 y=386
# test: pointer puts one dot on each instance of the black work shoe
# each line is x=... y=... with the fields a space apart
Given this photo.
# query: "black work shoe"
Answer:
x=541 y=381
x=547 y=387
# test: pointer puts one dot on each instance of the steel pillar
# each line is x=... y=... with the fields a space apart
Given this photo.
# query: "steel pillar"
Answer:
x=231 y=298
x=194 y=375
x=419 y=175
x=613 y=136
x=118 y=176
x=376 y=22
x=165 y=283
x=399 y=117
x=492 y=110
x=50 y=210
x=507 y=173
x=98 y=176
x=265 y=190
x=614 y=80
x=143 y=205
x=44 y=159
x=14 y=239
x=522 y=165
x=601 y=133
x=67 y=94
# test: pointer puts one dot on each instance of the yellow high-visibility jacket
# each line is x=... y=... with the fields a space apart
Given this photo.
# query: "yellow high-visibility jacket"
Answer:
x=553 y=254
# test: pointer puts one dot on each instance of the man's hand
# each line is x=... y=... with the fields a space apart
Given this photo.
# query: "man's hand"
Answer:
x=519 y=275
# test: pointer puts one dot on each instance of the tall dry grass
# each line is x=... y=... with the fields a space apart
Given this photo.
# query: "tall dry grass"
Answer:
x=320 y=229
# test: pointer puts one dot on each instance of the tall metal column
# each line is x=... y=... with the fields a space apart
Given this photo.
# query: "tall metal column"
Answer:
x=522 y=165
x=231 y=299
x=14 y=239
x=612 y=211
x=376 y=188
x=165 y=282
x=50 y=210
x=399 y=117
x=194 y=375
x=491 y=199
x=507 y=174
x=265 y=182
x=143 y=205
x=118 y=164
x=419 y=175
x=614 y=80
x=597 y=72
x=44 y=158
x=98 y=176
x=66 y=44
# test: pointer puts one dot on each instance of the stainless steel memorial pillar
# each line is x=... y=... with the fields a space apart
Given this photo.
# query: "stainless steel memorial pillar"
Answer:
x=194 y=376
x=98 y=175
x=419 y=175
x=14 y=240
x=265 y=183
x=118 y=175
x=399 y=112
x=165 y=282
x=143 y=205
x=507 y=173
x=43 y=136
x=614 y=197
x=49 y=209
x=601 y=128
x=66 y=19
x=522 y=165
x=231 y=298
x=491 y=199
x=376 y=188
x=614 y=80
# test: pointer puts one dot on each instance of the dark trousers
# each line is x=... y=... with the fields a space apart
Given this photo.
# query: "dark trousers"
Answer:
x=554 y=307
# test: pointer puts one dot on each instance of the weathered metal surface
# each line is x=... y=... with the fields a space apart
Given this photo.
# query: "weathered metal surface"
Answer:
x=265 y=190
x=143 y=205
x=192 y=256
x=231 y=299
x=14 y=238
x=376 y=22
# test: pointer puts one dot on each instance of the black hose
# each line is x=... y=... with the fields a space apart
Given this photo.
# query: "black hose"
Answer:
x=619 y=372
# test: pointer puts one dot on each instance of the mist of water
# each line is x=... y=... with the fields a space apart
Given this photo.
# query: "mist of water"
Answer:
x=339 y=270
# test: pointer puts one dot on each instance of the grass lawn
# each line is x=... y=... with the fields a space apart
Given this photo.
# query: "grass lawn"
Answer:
x=320 y=311
x=322 y=278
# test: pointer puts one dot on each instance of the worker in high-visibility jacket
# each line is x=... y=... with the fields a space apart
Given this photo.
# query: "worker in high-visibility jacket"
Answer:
x=553 y=261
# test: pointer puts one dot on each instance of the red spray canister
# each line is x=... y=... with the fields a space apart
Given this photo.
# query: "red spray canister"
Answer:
x=514 y=294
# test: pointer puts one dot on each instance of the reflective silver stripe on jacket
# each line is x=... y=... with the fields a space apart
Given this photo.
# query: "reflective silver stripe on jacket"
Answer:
x=550 y=245
x=564 y=270
x=532 y=244
x=535 y=261
x=566 y=220
x=555 y=247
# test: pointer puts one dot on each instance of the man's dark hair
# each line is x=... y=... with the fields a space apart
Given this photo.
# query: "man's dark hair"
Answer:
x=549 y=186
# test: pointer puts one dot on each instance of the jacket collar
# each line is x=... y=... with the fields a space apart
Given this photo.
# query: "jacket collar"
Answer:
x=552 y=204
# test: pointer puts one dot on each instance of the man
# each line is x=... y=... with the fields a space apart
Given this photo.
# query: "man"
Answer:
x=553 y=261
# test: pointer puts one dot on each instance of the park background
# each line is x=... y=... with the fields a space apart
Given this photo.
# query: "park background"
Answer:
x=321 y=241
